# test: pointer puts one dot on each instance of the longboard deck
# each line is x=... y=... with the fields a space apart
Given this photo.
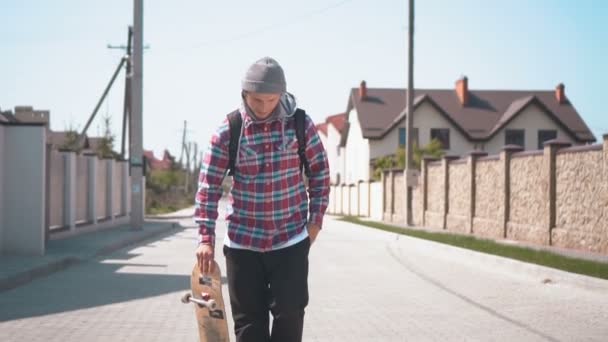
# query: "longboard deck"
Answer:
x=212 y=320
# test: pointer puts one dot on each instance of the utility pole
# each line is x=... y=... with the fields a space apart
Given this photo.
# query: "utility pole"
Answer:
x=409 y=169
x=127 y=96
x=187 y=171
x=194 y=164
x=136 y=153
x=181 y=155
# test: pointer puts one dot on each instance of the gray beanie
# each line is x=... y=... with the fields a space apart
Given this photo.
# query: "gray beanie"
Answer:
x=265 y=76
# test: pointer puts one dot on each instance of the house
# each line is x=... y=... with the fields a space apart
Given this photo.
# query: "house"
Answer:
x=462 y=119
x=152 y=163
x=56 y=139
x=331 y=136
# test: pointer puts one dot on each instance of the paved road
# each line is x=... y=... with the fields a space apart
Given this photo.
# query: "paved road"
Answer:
x=365 y=285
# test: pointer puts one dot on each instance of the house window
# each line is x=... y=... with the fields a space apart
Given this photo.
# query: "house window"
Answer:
x=515 y=137
x=443 y=135
x=545 y=135
x=402 y=136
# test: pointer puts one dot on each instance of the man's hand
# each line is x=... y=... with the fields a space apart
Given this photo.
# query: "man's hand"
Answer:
x=313 y=231
x=205 y=257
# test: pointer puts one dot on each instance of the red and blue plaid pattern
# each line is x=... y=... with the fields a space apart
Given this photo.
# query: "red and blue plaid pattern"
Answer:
x=269 y=203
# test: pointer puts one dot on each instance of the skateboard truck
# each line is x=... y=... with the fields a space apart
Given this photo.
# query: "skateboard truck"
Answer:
x=205 y=302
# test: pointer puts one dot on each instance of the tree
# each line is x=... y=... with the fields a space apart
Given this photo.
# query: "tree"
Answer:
x=71 y=139
x=433 y=149
x=397 y=160
x=106 y=145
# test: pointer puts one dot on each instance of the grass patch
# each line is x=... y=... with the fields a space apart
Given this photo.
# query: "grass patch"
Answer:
x=544 y=258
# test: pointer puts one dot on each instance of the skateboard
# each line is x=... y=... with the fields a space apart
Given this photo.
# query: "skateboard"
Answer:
x=208 y=303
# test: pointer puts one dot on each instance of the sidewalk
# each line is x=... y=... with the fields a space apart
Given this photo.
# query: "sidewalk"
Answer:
x=60 y=254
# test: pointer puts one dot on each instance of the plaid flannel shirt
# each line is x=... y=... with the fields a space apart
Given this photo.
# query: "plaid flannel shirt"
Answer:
x=268 y=202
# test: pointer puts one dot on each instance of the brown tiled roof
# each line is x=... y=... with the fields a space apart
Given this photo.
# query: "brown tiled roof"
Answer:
x=322 y=127
x=338 y=121
x=485 y=114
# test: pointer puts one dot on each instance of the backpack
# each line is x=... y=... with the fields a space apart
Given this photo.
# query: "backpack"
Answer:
x=235 y=121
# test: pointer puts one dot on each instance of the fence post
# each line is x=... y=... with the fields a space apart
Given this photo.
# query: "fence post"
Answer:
x=550 y=152
x=446 y=188
x=472 y=163
x=506 y=156
x=425 y=184
x=110 y=188
x=91 y=187
x=69 y=190
x=369 y=198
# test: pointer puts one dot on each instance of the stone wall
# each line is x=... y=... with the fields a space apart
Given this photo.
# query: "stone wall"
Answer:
x=399 y=197
x=557 y=196
x=459 y=199
x=528 y=199
x=578 y=203
x=434 y=213
x=489 y=207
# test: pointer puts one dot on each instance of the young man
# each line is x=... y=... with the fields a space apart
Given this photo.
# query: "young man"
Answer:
x=271 y=220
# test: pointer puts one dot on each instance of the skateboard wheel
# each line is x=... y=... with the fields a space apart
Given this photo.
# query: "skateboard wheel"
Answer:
x=186 y=298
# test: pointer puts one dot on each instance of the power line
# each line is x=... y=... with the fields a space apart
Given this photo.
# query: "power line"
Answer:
x=289 y=22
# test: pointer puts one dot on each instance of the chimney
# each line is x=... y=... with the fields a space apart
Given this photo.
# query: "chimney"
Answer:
x=462 y=90
x=560 y=94
x=363 y=91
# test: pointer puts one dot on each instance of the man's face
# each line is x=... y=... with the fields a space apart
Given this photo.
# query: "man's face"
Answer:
x=262 y=104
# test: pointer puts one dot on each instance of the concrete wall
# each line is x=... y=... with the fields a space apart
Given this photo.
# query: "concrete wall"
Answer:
x=82 y=192
x=57 y=189
x=354 y=200
x=376 y=201
x=23 y=196
x=364 y=198
x=65 y=186
x=101 y=184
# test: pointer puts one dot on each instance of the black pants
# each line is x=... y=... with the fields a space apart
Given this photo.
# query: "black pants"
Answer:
x=275 y=281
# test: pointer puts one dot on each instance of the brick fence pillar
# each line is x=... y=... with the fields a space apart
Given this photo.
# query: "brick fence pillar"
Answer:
x=550 y=153
x=472 y=167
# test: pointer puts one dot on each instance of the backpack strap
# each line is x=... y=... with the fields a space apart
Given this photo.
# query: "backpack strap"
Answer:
x=300 y=117
x=235 y=121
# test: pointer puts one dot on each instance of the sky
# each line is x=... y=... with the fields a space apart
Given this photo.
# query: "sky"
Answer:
x=55 y=56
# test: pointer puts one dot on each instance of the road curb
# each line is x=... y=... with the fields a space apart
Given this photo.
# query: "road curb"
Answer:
x=544 y=274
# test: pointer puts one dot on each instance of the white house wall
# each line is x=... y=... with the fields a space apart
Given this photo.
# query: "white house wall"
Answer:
x=531 y=120
x=357 y=152
x=333 y=141
x=427 y=117
x=386 y=146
